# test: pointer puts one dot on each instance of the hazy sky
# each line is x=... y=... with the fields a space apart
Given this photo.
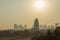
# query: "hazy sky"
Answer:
x=23 y=12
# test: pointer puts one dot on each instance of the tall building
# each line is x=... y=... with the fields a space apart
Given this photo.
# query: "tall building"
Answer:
x=25 y=27
x=15 y=26
x=36 y=24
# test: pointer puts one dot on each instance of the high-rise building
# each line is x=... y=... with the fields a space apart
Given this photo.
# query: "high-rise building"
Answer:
x=25 y=27
x=36 y=24
x=15 y=26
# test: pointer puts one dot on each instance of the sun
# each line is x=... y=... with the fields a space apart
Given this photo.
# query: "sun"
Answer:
x=39 y=4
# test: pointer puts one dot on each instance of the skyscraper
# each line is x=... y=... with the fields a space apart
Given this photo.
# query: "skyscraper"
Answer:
x=36 y=24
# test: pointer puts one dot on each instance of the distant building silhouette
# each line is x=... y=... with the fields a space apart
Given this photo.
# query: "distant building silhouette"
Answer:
x=18 y=27
x=25 y=27
x=51 y=27
x=15 y=26
x=36 y=24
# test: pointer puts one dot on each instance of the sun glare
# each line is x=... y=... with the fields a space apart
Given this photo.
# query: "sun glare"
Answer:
x=39 y=4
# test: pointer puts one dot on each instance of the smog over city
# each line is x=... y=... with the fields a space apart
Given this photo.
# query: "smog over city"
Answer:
x=29 y=19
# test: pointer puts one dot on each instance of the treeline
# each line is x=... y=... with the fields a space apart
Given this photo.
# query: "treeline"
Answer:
x=34 y=35
x=50 y=35
x=13 y=33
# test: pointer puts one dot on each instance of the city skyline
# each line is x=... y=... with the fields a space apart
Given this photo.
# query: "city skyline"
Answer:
x=23 y=12
x=36 y=26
